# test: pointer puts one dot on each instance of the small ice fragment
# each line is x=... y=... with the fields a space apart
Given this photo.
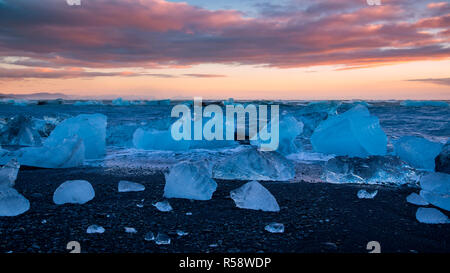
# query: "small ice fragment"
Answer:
x=149 y=236
x=139 y=205
x=74 y=192
x=431 y=216
x=417 y=151
x=182 y=233
x=275 y=228
x=213 y=245
x=12 y=203
x=416 y=199
x=162 y=239
x=189 y=213
x=44 y=221
x=163 y=206
x=127 y=186
x=436 y=189
x=130 y=230
x=8 y=173
x=95 y=229
x=363 y=194
x=253 y=195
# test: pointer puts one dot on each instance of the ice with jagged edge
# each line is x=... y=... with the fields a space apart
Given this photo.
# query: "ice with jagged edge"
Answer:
x=95 y=229
x=253 y=195
x=417 y=151
x=363 y=194
x=128 y=186
x=130 y=230
x=91 y=128
x=251 y=164
x=289 y=129
x=12 y=203
x=371 y=170
x=314 y=113
x=19 y=130
x=163 y=206
x=436 y=189
x=74 y=192
x=416 y=199
x=431 y=216
x=189 y=181
x=274 y=228
x=353 y=133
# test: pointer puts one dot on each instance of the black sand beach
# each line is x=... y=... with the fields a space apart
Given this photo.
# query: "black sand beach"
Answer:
x=318 y=217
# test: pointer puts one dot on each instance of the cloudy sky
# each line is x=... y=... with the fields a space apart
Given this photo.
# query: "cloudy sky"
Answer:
x=284 y=49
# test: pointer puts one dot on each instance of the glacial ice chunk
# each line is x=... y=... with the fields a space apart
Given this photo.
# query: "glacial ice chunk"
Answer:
x=289 y=129
x=19 y=130
x=371 y=170
x=91 y=128
x=182 y=233
x=163 y=206
x=127 y=186
x=74 y=192
x=130 y=230
x=363 y=194
x=158 y=140
x=189 y=181
x=416 y=199
x=162 y=239
x=431 y=216
x=436 y=189
x=274 y=228
x=251 y=164
x=8 y=173
x=354 y=133
x=12 y=203
x=253 y=195
x=417 y=151
x=120 y=102
x=95 y=229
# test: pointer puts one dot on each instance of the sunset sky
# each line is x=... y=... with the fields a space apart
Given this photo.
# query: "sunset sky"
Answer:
x=266 y=49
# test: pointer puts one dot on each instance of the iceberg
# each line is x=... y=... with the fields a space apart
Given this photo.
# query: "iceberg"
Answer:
x=88 y=102
x=371 y=170
x=158 y=140
x=274 y=228
x=91 y=128
x=417 y=151
x=289 y=129
x=354 y=133
x=442 y=161
x=74 y=192
x=189 y=181
x=127 y=186
x=253 y=195
x=431 y=216
x=12 y=203
x=120 y=102
x=420 y=103
x=363 y=194
x=95 y=229
x=416 y=199
x=8 y=173
x=251 y=164
x=163 y=206
x=436 y=189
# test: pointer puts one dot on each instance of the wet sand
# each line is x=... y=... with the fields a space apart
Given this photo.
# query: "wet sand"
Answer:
x=318 y=217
